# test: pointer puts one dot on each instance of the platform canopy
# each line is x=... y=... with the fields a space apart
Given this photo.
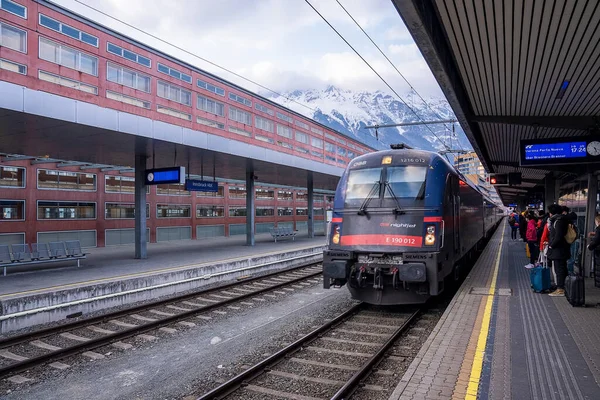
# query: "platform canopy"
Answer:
x=514 y=70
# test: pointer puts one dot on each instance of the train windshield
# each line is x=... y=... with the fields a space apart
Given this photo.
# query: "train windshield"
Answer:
x=405 y=181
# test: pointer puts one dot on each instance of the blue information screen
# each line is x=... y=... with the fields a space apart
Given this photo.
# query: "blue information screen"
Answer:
x=552 y=151
x=166 y=176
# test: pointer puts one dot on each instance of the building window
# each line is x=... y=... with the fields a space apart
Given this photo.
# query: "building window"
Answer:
x=302 y=137
x=284 y=144
x=316 y=153
x=13 y=38
x=174 y=73
x=12 y=210
x=68 y=57
x=240 y=99
x=127 y=99
x=238 y=115
x=318 y=198
x=210 y=211
x=128 y=55
x=316 y=130
x=122 y=211
x=285 y=211
x=264 y=211
x=264 y=194
x=341 y=141
x=264 y=109
x=65 y=210
x=330 y=158
x=173 y=210
x=318 y=212
x=285 y=117
x=66 y=82
x=264 y=139
x=210 y=106
x=220 y=193
x=284 y=131
x=314 y=142
x=263 y=123
x=301 y=124
x=342 y=151
x=330 y=136
x=301 y=196
x=127 y=77
x=13 y=66
x=12 y=177
x=301 y=211
x=173 y=113
x=285 y=195
x=64 y=180
x=237 y=211
x=174 y=93
x=240 y=131
x=302 y=150
x=14 y=8
x=330 y=147
x=172 y=189
x=211 y=88
x=210 y=122
x=237 y=192
x=119 y=184
x=68 y=30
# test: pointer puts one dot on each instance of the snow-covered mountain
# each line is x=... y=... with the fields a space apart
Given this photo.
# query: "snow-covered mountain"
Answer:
x=349 y=112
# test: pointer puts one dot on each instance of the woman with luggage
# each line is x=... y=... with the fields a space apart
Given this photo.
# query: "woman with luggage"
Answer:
x=532 y=238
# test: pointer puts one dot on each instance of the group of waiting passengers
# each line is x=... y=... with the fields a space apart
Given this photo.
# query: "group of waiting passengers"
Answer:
x=546 y=232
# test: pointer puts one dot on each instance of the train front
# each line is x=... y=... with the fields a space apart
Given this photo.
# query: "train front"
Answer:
x=387 y=227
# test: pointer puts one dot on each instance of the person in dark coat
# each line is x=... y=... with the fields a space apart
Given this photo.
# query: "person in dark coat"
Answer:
x=558 y=248
x=522 y=226
x=572 y=218
x=595 y=246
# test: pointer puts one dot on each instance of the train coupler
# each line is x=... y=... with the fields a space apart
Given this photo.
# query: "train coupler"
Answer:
x=361 y=278
x=377 y=279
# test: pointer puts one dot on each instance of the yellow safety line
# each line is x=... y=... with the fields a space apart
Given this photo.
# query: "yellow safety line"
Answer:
x=146 y=273
x=483 y=334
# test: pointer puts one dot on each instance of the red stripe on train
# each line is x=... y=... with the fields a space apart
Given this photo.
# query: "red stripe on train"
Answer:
x=382 y=240
x=336 y=220
x=433 y=219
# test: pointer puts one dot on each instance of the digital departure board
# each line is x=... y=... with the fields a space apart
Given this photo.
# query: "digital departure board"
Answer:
x=559 y=151
x=165 y=175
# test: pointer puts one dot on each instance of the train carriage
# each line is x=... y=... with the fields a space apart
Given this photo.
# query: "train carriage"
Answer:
x=404 y=221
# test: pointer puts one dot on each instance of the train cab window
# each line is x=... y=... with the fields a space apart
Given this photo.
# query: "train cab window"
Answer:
x=406 y=181
x=361 y=182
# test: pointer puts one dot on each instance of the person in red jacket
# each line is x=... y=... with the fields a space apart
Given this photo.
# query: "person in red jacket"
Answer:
x=532 y=239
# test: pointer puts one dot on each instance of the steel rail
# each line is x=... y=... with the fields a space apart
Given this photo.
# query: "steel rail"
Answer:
x=353 y=383
x=236 y=382
x=127 y=333
x=41 y=333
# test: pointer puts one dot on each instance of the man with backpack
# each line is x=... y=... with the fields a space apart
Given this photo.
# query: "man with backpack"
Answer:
x=572 y=217
x=558 y=247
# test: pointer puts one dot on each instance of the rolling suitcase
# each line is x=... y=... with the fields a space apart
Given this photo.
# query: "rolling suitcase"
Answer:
x=540 y=275
x=575 y=287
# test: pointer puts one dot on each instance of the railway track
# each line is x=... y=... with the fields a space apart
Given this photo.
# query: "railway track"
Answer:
x=47 y=346
x=331 y=362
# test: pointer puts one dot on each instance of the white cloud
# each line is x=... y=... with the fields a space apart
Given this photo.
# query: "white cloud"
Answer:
x=280 y=44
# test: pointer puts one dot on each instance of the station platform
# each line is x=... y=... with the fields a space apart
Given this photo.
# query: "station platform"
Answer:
x=110 y=276
x=499 y=340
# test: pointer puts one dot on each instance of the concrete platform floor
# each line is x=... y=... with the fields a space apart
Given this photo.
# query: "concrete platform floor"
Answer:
x=117 y=262
x=499 y=340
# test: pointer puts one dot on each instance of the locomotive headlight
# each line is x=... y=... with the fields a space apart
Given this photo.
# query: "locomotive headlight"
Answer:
x=336 y=235
x=430 y=236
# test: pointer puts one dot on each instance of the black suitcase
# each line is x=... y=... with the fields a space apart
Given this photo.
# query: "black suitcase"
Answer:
x=575 y=287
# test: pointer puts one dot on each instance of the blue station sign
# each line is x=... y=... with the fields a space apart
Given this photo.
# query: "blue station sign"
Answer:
x=165 y=175
x=559 y=151
x=194 y=185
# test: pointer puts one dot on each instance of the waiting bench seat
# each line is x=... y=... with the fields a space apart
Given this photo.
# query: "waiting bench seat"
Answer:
x=282 y=232
x=40 y=253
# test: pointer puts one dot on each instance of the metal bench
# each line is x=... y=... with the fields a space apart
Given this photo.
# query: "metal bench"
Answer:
x=282 y=233
x=40 y=253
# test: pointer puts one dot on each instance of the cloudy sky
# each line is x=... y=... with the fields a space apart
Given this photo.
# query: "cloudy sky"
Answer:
x=282 y=44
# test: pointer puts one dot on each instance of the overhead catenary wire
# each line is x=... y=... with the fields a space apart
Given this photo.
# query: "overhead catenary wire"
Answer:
x=375 y=71
x=193 y=55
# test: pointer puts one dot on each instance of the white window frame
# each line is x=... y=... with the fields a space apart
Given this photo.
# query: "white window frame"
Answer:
x=172 y=204
x=24 y=211
x=37 y=207
x=37 y=180
x=170 y=85
x=78 y=60
x=15 y=28
x=5 y=61
x=133 y=52
x=10 y=12
x=209 y=100
x=124 y=96
x=158 y=65
x=60 y=23
x=24 y=178
x=111 y=64
x=62 y=78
